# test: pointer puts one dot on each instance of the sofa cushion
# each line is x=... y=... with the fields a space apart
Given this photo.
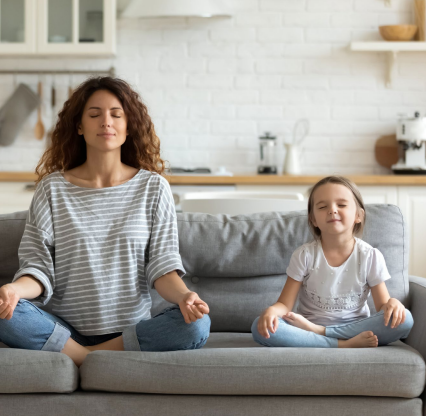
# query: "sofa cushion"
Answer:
x=27 y=371
x=231 y=364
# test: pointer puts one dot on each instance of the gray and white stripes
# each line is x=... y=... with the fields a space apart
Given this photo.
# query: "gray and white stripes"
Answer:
x=97 y=251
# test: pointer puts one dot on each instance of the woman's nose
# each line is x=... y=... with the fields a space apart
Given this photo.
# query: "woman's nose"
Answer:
x=106 y=122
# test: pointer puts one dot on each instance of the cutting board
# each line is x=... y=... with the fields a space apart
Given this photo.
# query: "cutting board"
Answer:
x=387 y=151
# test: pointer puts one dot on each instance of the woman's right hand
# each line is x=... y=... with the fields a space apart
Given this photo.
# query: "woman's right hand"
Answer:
x=8 y=300
x=268 y=321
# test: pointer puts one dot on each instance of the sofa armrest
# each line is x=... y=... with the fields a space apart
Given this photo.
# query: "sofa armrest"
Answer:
x=417 y=337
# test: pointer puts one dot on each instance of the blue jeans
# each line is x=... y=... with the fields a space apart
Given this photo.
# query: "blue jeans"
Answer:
x=290 y=336
x=32 y=328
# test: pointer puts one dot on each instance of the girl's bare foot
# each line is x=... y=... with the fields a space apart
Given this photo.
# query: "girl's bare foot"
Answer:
x=365 y=339
x=301 y=322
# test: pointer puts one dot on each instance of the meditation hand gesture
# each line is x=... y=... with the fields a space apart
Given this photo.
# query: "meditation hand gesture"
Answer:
x=396 y=309
x=8 y=301
x=192 y=307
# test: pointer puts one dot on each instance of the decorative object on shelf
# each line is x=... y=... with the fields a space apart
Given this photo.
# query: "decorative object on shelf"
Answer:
x=39 y=127
x=15 y=111
x=398 y=33
x=420 y=17
x=175 y=8
x=292 y=156
x=386 y=151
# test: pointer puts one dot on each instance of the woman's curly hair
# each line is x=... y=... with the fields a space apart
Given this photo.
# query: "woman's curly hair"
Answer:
x=68 y=149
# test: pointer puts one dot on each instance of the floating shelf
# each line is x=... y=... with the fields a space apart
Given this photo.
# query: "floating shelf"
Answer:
x=392 y=49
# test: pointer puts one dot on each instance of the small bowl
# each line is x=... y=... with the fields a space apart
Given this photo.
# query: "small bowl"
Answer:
x=398 y=32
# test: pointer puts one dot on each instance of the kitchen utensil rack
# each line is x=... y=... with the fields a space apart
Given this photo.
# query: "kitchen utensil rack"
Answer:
x=110 y=71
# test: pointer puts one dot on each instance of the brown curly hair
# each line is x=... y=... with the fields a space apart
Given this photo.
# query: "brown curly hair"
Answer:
x=68 y=149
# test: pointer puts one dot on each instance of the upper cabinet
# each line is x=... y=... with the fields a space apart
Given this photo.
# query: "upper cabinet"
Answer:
x=58 y=27
x=17 y=27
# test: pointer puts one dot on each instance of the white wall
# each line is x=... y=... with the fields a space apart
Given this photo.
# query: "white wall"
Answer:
x=213 y=86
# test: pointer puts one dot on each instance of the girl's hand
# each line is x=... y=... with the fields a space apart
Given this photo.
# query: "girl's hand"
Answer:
x=396 y=309
x=192 y=307
x=268 y=321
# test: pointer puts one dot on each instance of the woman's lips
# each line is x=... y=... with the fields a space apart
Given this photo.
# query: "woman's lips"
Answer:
x=106 y=134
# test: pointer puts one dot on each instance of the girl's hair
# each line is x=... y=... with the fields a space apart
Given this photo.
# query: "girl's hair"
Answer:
x=338 y=180
x=68 y=149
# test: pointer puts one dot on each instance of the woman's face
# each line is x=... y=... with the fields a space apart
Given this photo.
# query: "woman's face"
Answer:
x=103 y=123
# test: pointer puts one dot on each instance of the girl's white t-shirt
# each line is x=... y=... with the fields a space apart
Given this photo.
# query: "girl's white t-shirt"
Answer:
x=336 y=295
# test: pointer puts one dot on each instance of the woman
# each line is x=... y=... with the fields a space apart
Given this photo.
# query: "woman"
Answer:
x=101 y=230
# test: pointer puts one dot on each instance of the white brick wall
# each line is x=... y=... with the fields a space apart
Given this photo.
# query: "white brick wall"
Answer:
x=214 y=85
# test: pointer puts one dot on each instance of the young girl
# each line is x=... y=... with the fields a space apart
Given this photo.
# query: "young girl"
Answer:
x=334 y=275
x=101 y=231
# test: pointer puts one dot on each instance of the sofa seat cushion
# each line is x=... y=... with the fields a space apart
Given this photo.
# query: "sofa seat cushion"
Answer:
x=27 y=371
x=232 y=364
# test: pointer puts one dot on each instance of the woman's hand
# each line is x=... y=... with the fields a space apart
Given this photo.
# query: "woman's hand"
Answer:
x=396 y=309
x=8 y=301
x=268 y=321
x=192 y=307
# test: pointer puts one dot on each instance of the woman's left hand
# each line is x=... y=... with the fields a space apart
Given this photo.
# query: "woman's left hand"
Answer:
x=396 y=309
x=192 y=307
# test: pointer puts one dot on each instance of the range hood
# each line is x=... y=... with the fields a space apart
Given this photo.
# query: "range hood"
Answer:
x=175 y=8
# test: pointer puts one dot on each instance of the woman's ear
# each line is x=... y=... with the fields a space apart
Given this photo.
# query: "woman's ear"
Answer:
x=79 y=130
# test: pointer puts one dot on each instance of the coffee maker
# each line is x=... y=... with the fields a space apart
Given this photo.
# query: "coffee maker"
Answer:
x=411 y=136
x=268 y=155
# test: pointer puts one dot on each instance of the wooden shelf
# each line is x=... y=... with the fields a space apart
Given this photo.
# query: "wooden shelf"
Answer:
x=384 y=46
x=392 y=49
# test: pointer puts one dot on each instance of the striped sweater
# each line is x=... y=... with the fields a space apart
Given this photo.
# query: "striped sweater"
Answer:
x=97 y=251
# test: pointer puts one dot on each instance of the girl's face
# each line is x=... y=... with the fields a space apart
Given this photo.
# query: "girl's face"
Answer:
x=103 y=123
x=334 y=210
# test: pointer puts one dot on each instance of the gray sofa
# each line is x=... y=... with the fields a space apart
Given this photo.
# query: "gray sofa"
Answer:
x=236 y=264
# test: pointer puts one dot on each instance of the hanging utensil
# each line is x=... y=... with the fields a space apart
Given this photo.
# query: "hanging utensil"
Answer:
x=39 y=127
x=53 y=107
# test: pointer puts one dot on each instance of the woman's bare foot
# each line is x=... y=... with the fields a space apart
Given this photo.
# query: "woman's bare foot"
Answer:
x=300 y=322
x=365 y=339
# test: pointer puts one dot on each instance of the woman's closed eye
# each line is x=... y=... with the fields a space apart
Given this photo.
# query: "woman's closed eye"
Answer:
x=98 y=116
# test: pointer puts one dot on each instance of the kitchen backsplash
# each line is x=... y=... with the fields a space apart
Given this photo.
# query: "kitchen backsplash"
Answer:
x=214 y=85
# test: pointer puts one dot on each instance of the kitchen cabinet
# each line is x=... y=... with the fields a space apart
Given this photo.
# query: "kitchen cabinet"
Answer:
x=58 y=27
x=17 y=27
x=412 y=202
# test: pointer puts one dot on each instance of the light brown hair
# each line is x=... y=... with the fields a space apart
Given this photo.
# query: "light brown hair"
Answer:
x=338 y=180
x=68 y=149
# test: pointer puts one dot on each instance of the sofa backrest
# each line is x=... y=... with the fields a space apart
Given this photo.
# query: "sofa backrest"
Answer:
x=237 y=264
